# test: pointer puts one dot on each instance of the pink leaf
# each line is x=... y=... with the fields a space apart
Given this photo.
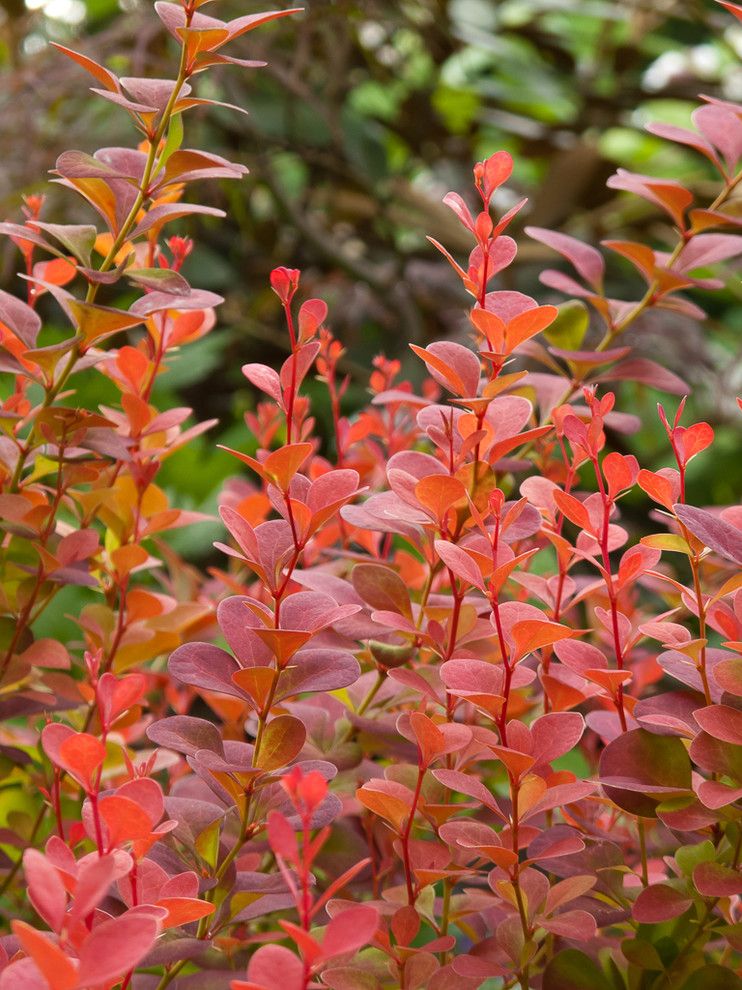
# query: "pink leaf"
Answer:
x=579 y=926
x=459 y=207
x=460 y=563
x=116 y=946
x=556 y=734
x=648 y=373
x=45 y=888
x=723 y=129
x=587 y=260
x=681 y=135
x=707 y=249
x=717 y=534
x=275 y=968
x=264 y=378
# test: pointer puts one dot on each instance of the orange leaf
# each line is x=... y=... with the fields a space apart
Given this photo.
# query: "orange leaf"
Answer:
x=609 y=680
x=95 y=322
x=438 y=492
x=387 y=806
x=59 y=971
x=573 y=509
x=443 y=369
x=517 y=763
x=532 y=634
x=491 y=326
x=528 y=324
x=257 y=682
x=429 y=737
x=183 y=910
x=282 y=742
x=81 y=755
x=283 y=643
x=124 y=819
x=282 y=465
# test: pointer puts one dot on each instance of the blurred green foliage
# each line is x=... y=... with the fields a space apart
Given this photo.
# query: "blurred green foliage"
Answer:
x=367 y=114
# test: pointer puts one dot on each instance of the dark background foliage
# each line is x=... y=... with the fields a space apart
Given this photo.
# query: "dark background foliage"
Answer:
x=367 y=114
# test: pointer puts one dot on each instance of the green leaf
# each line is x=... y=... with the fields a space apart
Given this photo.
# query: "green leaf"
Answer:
x=642 y=954
x=688 y=857
x=163 y=279
x=207 y=843
x=569 y=328
x=573 y=970
x=174 y=139
x=79 y=239
x=666 y=541
x=713 y=977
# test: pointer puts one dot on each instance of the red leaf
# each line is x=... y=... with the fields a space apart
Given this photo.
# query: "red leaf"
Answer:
x=658 y=487
x=459 y=207
x=722 y=128
x=350 y=931
x=388 y=800
x=681 y=135
x=97 y=71
x=579 y=926
x=671 y=196
x=117 y=695
x=556 y=734
x=717 y=880
x=436 y=740
x=658 y=903
x=722 y=722
x=281 y=466
x=93 y=881
x=733 y=8
x=620 y=471
x=492 y=172
x=707 y=249
x=266 y=379
x=312 y=314
x=282 y=837
x=638 y=769
x=692 y=440
x=79 y=753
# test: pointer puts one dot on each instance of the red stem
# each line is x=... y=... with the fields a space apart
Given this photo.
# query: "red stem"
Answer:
x=411 y=895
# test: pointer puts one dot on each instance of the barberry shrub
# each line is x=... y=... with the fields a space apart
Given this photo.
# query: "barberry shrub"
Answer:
x=454 y=721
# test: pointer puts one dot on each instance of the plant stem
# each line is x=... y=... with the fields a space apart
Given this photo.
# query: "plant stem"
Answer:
x=641 y=829
x=169 y=975
x=411 y=896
